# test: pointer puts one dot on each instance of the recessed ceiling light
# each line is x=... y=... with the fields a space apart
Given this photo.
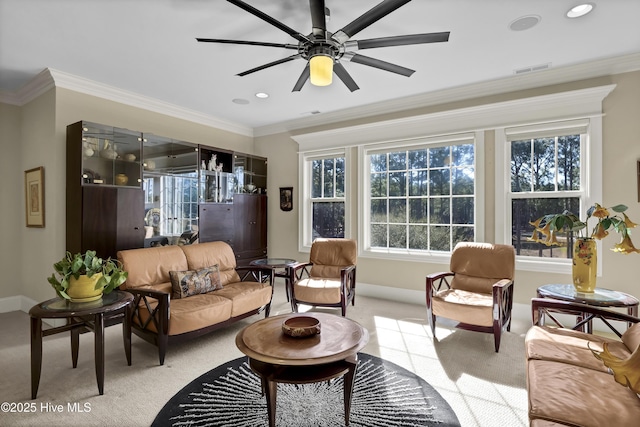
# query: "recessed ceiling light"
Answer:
x=524 y=23
x=240 y=101
x=262 y=95
x=580 y=10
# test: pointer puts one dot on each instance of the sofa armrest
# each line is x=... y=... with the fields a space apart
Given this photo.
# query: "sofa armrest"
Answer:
x=159 y=314
x=546 y=306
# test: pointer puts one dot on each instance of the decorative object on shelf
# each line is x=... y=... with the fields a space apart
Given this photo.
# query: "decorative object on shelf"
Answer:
x=34 y=197
x=88 y=151
x=85 y=277
x=129 y=157
x=212 y=163
x=152 y=219
x=108 y=152
x=250 y=188
x=584 y=249
x=286 y=198
x=625 y=371
x=203 y=166
x=122 y=179
x=301 y=326
x=149 y=165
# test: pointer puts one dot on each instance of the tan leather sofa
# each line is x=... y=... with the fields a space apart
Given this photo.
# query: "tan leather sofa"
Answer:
x=160 y=319
x=566 y=383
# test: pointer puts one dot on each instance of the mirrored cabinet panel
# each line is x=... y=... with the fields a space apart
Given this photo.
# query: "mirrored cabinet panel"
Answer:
x=170 y=186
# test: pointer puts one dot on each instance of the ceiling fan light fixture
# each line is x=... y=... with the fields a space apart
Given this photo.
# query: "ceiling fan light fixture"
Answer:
x=321 y=70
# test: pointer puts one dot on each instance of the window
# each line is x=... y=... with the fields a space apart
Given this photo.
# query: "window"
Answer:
x=419 y=198
x=547 y=172
x=324 y=195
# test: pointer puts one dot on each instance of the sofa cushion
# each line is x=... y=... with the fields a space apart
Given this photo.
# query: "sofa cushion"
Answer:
x=187 y=283
x=578 y=396
x=569 y=346
x=150 y=266
x=191 y=314
x=246 y=296
x=210 y=253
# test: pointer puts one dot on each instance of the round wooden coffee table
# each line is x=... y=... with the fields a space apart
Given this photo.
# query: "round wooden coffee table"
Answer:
x=279 y=358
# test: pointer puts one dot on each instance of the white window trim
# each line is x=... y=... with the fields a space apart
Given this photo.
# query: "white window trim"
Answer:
x=364 y=212
x=304 y=183
x=591 y=180
x=579 y=103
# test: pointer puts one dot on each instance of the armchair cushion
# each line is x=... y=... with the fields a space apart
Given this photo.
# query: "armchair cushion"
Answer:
x=318 y=290
x=477 y=266
x=187 y=283
x=467 y=307
x=329 y=256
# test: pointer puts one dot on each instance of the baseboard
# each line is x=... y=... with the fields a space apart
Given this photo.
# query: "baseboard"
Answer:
x=24 y=304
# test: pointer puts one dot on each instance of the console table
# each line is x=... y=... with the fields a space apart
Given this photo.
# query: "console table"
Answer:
x=599 y=298
x=279 y=358
x=111 y=309
x=276 y=264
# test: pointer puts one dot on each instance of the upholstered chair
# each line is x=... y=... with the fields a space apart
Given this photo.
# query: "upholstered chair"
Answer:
x=477 y=292
x=329 y=278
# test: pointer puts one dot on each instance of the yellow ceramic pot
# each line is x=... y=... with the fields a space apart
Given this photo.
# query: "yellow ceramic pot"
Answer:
x=585 y=265
x=83 y=289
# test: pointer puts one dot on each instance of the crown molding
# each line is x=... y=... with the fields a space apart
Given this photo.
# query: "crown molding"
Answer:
x=37 y=86
x=554 y=107
x=551 y=76
x=49 y=78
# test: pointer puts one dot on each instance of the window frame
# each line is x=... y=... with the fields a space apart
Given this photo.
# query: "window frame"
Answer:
x=305 y=225
x=364 y=190
x=590 y=182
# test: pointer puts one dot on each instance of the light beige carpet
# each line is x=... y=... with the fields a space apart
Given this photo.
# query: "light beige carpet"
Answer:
x=483 y=387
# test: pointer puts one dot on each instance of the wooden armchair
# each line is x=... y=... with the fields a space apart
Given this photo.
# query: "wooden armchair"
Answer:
x=329 y=278
x=477 y=292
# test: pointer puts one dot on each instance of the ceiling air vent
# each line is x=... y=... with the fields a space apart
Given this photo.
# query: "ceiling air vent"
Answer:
x=532 y=68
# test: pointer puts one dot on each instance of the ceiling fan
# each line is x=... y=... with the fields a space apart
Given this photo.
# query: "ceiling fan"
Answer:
x=324 y=51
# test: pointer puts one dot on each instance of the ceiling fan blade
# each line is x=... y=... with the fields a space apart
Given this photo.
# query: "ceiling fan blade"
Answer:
x=318 y=19
x=286 y=46
x=270 y=64
x=342 y=73
x=377 y=63
x=374 y=14
x=302 y=79
x=402 y=40
x=252 y=10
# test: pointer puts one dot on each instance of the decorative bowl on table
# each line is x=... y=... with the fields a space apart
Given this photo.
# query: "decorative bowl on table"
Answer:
x=301 y=326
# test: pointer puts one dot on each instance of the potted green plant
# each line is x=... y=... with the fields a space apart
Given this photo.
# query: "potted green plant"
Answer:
x=85 y=277
x=584 y=250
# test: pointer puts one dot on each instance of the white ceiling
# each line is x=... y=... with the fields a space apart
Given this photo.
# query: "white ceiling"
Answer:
x=148 y=48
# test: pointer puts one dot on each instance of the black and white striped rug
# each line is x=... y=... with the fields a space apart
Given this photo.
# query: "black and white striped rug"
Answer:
x=384 y=395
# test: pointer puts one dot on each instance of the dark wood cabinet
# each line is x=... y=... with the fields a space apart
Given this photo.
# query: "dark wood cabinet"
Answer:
x=123 y=186
x=112 y=220
x=216 y=222
x=104 y=198
x=250 y=237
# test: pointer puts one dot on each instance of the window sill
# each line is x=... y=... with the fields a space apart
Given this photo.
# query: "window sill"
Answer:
x=544 y=265
x=403 y=255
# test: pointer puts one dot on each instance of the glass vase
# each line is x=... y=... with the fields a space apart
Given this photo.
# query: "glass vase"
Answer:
x=585 y=265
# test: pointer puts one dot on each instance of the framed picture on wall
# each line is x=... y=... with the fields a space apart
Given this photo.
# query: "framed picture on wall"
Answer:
x=286 y=198
x=34 y=196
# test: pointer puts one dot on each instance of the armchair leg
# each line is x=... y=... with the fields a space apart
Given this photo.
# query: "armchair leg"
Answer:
x=162 y=347
x=497 y=334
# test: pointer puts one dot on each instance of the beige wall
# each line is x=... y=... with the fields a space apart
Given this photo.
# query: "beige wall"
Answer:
x=35 y=135
x=11 y=205
x=621 y=136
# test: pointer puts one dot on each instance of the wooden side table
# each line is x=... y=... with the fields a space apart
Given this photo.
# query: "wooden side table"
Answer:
x=111 y=309
x=279 y=358
x=277 y=265
x=599 y=298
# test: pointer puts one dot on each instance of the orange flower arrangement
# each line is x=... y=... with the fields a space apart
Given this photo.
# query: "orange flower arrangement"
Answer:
x=549 y=225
